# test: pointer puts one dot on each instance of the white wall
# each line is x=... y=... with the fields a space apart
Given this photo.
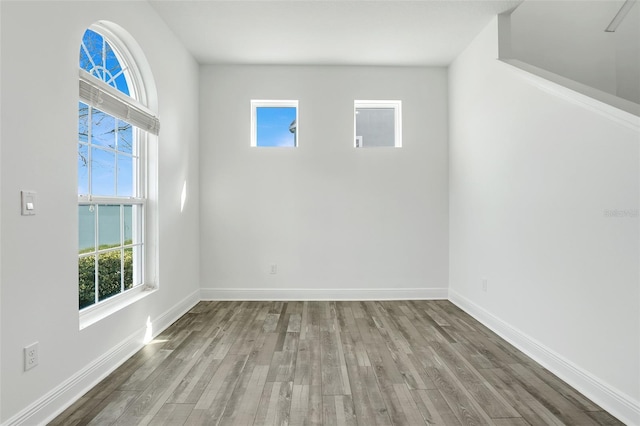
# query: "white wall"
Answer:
x=339 y=222
x=0 y=214
x=40 y=42
x=628 y=56
x=533 y=180
x=568 y=38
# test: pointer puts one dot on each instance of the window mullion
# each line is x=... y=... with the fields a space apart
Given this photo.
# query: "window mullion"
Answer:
x=89 y=149
x=96 y=247
x=86 y=51
x=142 y=229
x=121 y=248
x=115 y=173
x=111 y=200
x=104 y=59
x=139 y=170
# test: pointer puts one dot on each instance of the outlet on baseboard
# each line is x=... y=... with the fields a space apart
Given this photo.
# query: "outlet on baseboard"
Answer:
x=484 y=284
x=30 y=356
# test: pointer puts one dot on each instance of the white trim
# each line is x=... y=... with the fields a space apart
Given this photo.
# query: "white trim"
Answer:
x=125 y=57
x=323 y=294
x=620 y=405
x=358 y=141
x=55 y=402
x=87 y=200
x=612 y=107
x=96 y=312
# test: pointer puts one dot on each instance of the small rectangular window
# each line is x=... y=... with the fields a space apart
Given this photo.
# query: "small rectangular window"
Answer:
x=378 y=124
x=274 y=123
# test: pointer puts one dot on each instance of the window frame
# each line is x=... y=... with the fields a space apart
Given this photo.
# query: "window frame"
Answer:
x=143 y=189
x=267 y=103
x=396 y=105
x=138 y=198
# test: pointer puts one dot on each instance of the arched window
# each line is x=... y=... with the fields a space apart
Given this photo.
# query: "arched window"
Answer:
x=113 y=130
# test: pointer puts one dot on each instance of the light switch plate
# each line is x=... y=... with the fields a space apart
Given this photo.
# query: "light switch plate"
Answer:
x=28 y=202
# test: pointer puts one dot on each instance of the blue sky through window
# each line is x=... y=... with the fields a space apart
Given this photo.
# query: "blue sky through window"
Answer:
x=98 y=59
x=109 y=149
x=272 y=129
x=109 y=154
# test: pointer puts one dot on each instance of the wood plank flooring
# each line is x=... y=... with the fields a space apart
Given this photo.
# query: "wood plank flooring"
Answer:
x=331 y=363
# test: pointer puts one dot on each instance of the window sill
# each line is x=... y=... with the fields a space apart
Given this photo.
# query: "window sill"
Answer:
x=95 y=313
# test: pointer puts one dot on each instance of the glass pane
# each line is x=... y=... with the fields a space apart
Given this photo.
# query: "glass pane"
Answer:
x=125 y=137
x=109 y=274
x=86 y=229
x=103 y=129
x=133 y=224
x=108 y=226
x=138 y=212
x=128 y=224
x=92 y=43
x=103 y=164
x=114 y=71
x=128 y=268
x=83 y=169
x=87 y=281
x=125 y=176
x=375 y=126
x=85 y=64
x=98 y=58
x=276 y=126
x=121 y=84
x=112 y=65
x=83 y=122
x=137 y=265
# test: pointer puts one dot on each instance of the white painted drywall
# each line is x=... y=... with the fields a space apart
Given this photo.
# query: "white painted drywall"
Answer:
x=40 y=45
x=544 y=205
x=627 y=43
x=568 y=38
x=331 y=217
x=0 y=213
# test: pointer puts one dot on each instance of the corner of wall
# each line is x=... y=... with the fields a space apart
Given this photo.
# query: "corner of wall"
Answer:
x=57 y=400
x=509 y=217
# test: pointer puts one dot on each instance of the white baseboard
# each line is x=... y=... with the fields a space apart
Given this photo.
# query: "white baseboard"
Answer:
x=620 y=405
x=49 y=406
x=281 y=294
x=56 y=401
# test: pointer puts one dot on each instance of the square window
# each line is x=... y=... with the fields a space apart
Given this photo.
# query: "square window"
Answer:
x=378 y=124
x=274 y=123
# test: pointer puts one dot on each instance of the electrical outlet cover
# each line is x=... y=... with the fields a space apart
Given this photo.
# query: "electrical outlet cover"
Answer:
x=30 y=356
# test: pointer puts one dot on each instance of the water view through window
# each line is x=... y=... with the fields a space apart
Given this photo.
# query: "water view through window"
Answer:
x=110 y=207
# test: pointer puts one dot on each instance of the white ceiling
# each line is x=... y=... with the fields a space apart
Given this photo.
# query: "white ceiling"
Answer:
x=343 y=32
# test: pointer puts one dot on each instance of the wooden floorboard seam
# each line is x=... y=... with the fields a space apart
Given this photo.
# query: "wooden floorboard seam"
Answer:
x=331 y=363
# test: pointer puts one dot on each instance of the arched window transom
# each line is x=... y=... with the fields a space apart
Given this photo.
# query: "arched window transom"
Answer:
x=99 y=59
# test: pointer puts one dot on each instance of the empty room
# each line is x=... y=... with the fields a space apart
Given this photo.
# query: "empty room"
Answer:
x=319 y=212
